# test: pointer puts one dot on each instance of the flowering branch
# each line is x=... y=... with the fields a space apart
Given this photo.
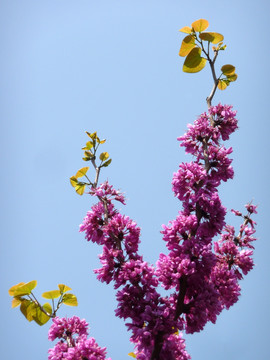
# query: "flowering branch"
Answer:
x=198 y=275
x=201 y=274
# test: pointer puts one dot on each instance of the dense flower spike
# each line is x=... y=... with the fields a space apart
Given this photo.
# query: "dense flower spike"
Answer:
x=209 y=279
x=151 y=315
x=204 y=278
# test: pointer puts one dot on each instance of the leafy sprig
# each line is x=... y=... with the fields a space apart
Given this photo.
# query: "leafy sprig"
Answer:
x=31 y=307
x=90 y=154
x=196 y=48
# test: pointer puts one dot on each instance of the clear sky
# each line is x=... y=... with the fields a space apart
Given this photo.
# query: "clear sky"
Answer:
x=112 y=66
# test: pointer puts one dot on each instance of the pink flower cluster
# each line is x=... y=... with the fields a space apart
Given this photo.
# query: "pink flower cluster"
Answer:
x=208 y=279
x=73 y=344
x=151 y=316
x=203 y=276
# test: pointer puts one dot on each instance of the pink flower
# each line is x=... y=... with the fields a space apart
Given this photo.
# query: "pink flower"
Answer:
x=74 y=344
x=188 y=179
x=64 y=327
x=251 y=208
x=106 y=191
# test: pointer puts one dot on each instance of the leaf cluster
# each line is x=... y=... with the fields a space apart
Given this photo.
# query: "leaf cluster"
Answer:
x=30 y=306
x=90 y=150
x=229 y=75
x=196 y=48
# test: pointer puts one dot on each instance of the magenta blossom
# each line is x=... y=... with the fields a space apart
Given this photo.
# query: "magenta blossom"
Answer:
x=74 y=344
x=202 y=275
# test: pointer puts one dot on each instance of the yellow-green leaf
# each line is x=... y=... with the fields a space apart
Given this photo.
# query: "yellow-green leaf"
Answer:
x=200 y=25
x=102 y=141
x=107 y=163
x=80 y=187
x=47 y=307
x=41 y=318
x=14 y=287
x=232 y=78
x=222 y=85
x=53 y=294
x=187 y=45
x=186 y=29
x=16 y=301
x=212 y=37
x=82 y=172
x=223 y=47
x=88 y=146
x=89 y=154
x=63 y=288
x=132 y=355
x=70 y=299
x=73 y=180
x=228 y=69
x=93 y=136
x=24 y=309
x=29 y=309
x=194 y=62
x=104 y=156
x=22 y=288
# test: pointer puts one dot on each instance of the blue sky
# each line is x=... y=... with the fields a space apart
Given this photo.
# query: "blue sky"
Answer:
x=113 y=67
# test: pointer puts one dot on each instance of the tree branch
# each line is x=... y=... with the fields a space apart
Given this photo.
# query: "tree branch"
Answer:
x=180 y=306
x=157 y=346
x=212 y=63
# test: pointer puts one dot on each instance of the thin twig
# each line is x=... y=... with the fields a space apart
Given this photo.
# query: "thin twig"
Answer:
x=41 y=307
x=212 y=63
x=97 y=168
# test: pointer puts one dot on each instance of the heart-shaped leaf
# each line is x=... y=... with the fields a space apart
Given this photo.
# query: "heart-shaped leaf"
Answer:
x=187 y=45
x=228 y=69
x=73 y=181
x=63 y=288
x=212 y=37
x=22 y=288
x=104 y=156
x=82 y=172
x=200 y=25
x=53 y=294
x=194 y=62
x=80 y=187
x=222 y=84
x=70 y=299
